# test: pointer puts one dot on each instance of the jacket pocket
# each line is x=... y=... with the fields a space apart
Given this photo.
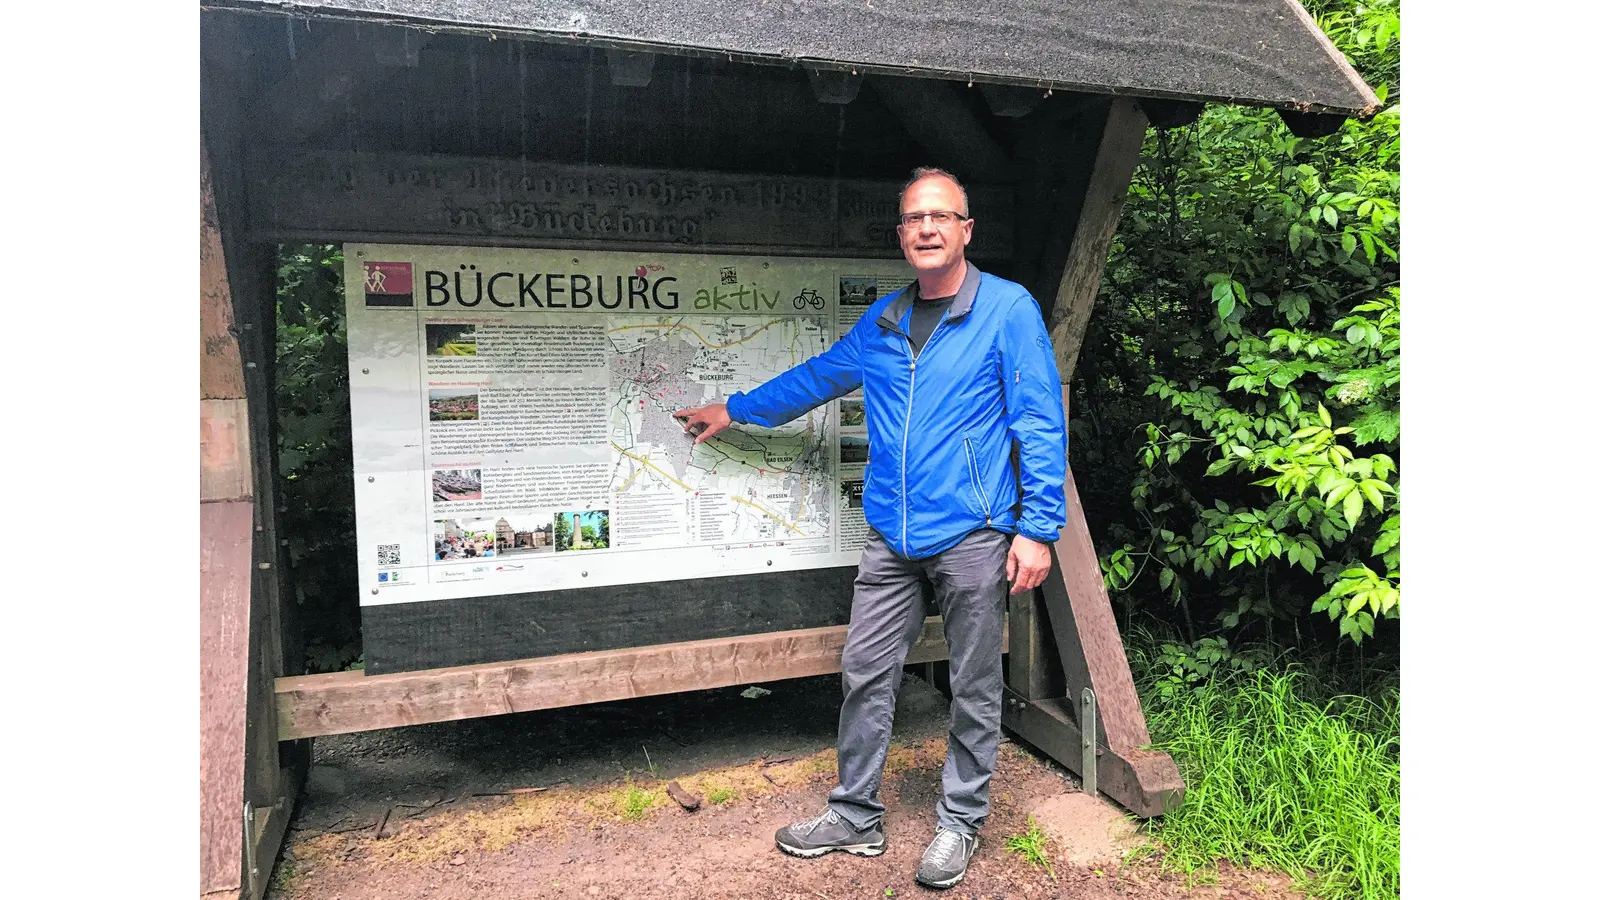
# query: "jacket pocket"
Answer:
x=977 y=482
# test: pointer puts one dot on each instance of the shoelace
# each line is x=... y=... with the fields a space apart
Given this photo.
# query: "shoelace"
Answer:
x=828 y=817
x=944 y=846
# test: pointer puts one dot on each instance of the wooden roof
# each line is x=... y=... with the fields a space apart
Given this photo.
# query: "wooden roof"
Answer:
x=1253 y=52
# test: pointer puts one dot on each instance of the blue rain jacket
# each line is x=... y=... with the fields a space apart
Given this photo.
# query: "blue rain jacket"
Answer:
x=941 y=424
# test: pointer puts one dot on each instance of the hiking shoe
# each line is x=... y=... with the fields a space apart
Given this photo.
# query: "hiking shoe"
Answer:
x=945 y=861
x=826 y=833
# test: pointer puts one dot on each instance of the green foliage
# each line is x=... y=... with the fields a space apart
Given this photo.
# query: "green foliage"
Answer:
x=1252 y=299
x=1179 y=665
x=314 y=463
x=629 y=803
x=1283 y=773
x=1032 y=845
x=636 y=802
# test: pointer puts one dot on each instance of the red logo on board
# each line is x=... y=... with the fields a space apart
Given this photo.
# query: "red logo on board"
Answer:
x=388 y=283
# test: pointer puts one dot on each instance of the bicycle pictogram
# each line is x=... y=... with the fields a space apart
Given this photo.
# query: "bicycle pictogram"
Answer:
x=811 y=297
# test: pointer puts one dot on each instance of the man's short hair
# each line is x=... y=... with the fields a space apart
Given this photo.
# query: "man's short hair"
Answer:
x=921 y=172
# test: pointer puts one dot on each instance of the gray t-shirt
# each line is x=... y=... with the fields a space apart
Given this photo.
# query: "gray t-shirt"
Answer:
x=925 y=316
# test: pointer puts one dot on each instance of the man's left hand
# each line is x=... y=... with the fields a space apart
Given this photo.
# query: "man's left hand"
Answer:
x=1027 y=564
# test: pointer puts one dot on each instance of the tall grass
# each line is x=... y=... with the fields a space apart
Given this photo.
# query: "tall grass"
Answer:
x=1282 y=775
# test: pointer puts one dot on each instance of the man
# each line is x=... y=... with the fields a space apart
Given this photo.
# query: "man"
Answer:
x=956 y=369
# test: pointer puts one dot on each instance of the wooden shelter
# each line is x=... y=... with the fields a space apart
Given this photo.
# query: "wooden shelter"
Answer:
x=418 y=121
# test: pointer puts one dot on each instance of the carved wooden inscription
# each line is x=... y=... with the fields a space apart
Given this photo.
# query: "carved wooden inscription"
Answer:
x=330 y=195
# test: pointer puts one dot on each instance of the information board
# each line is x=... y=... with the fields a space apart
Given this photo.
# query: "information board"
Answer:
x=511 y=414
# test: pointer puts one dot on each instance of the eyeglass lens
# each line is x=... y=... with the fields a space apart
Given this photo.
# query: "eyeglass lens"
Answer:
x=940 y=217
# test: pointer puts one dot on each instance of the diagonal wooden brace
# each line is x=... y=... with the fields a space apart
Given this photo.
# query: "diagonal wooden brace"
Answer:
x=1146 y=782
x=1086 y=633
x=1083 y=632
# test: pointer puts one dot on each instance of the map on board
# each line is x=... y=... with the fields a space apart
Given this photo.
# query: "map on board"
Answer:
x=748 y=483
x=512 y=417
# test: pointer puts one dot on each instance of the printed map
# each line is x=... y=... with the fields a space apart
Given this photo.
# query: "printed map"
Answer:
x=777 y=483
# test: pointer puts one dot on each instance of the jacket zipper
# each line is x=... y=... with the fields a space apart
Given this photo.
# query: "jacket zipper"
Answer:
x=905 y=435
x=972 y=473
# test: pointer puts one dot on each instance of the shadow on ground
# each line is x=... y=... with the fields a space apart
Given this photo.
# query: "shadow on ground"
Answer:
x=356 y=778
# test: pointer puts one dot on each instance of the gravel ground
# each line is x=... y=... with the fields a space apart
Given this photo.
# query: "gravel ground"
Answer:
x=573 y=804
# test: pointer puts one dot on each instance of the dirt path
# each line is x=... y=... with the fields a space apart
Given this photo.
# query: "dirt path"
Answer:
x=572 y=804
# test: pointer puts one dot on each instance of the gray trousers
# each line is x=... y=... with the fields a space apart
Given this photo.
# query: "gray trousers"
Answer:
x=886 y=615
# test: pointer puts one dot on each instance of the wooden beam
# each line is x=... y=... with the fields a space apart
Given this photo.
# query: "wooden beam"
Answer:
x=224 y=417
x=329 y=195
x=221 y=372
x=267 y=830
x=1170 y=113
x=225 y=547
x=343 y=702
x=1114 y=163
x=240 y=644
x=1146 y=782
x=1089 y=647
x=259 y=348
x=939 y=120
x=1086 y=632
x=225 y=472
x=1027 y=671
x=240 y=429
x=226 y=544
x=1311 y=125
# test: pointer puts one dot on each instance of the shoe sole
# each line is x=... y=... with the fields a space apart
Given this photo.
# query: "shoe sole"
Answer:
x=852 y=849
x=942 y=885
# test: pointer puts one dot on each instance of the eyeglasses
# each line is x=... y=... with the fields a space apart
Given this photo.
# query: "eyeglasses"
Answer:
x=942 y=218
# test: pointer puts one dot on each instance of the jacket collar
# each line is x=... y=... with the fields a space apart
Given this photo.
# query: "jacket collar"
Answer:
x=959 y=306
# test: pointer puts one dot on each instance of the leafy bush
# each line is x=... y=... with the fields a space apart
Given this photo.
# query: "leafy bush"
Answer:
x=1178 y=665
x=1242 y=371
x=315 y=487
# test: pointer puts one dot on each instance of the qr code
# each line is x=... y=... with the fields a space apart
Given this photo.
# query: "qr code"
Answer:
x=388 y=554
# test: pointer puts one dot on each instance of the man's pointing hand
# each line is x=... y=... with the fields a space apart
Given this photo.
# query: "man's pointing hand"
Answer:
x=704 y=421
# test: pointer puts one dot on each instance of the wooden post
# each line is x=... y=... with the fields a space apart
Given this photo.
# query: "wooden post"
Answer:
x=1028 y=672
x=1117 y=157
x=226 y=517
x=1082 y=627
x=248 y=785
